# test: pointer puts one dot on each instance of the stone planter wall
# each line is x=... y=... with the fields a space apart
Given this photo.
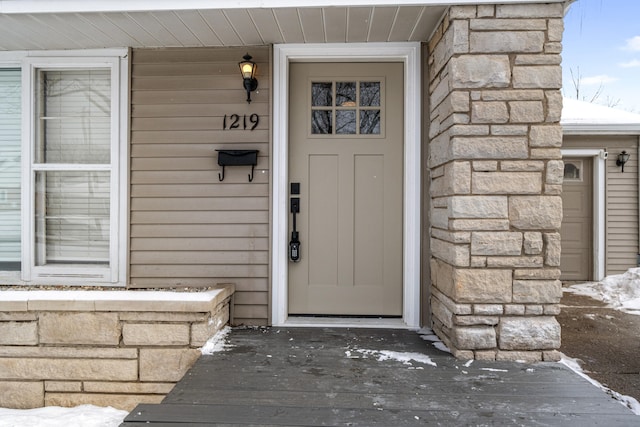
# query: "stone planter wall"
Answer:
x=496 y=178
x=107 y=348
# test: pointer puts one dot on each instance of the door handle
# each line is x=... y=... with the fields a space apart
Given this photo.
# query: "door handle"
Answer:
x=294 y=208
x=294 y=243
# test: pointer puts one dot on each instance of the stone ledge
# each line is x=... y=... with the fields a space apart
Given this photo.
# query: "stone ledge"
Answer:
x=115 y=301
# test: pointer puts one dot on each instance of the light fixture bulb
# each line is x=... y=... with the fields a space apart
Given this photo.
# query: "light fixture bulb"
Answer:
x=248 y=71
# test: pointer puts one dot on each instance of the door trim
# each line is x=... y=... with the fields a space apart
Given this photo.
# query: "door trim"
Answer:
x=409 y=55
x=599 y=168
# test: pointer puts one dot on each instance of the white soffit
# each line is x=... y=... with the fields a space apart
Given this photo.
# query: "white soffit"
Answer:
x=217 y=27
x=97 y=24
x=80 y=6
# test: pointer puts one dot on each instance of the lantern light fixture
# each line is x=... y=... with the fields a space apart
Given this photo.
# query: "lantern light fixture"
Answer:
x=622 y=159
x=248 y=70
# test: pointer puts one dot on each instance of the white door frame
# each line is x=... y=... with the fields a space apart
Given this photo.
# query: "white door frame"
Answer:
x=599 y=170
x=409 y=54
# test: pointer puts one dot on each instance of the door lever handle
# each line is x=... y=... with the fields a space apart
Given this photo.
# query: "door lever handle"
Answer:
x=294 y=243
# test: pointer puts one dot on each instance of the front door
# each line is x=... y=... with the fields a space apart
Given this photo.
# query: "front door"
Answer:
x=346 y=155
x=577 y=222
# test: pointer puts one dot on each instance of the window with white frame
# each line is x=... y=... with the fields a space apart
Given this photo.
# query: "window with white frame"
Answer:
x=62 y=144
x=73 y=181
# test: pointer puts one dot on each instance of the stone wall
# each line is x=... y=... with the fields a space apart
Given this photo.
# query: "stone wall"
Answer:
x=496 y=178
x=107 y=348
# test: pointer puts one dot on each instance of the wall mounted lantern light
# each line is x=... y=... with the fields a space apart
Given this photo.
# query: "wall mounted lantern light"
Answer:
x=248 y=70
x=622 y=159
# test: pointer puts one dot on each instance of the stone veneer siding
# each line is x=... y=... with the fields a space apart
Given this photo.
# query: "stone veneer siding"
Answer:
x=496 y=178
x=111 y=350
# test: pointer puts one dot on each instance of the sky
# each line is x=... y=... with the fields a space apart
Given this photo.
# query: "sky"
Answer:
x=601 y=46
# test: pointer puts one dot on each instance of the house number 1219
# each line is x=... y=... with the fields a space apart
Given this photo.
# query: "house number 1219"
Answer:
x=235 y=121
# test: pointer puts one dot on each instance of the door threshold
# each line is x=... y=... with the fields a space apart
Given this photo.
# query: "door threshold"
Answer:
x=344 y=322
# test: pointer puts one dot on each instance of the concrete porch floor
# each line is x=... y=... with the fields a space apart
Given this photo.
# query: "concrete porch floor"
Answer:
x=360 y=377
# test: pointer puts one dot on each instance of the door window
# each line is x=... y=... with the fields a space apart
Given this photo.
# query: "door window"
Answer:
x=346 y=107
x=573 y=170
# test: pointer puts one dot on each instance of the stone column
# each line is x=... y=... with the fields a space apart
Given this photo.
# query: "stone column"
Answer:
x=496 y=178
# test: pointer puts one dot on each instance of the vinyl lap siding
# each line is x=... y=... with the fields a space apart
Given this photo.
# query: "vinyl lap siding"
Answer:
x=622 y=210
x=187 y=227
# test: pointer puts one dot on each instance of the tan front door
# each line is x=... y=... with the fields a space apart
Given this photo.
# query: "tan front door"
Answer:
x=577 y=222
x=346 y=153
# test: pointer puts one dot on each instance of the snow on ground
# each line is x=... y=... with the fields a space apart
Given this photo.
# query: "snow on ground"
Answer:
x=428 y=335
x=55 y=416
x=620 y=292
x=217 y=343
x=627 y=401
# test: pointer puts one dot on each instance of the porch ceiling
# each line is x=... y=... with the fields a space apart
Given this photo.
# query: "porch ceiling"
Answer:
x=45 y=30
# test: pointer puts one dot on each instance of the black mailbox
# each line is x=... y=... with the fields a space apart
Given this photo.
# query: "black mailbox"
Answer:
x=237 y=158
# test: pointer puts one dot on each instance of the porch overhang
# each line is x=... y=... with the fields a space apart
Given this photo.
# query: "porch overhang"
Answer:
x=81 y=24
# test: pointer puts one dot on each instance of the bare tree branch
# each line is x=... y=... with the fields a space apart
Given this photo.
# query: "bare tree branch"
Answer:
x=576 y=80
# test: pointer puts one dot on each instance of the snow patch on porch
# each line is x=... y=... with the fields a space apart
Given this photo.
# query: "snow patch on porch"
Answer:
x=384 y=355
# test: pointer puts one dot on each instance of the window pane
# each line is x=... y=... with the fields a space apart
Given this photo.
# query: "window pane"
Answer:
x=370 y=122
x=321 y=122
x=74 y=117
x=72 y=218
x=572 y=171
x=345 y=94
x=10 y=98
x=346 y=122
x=322 y=94
x=369 y=94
